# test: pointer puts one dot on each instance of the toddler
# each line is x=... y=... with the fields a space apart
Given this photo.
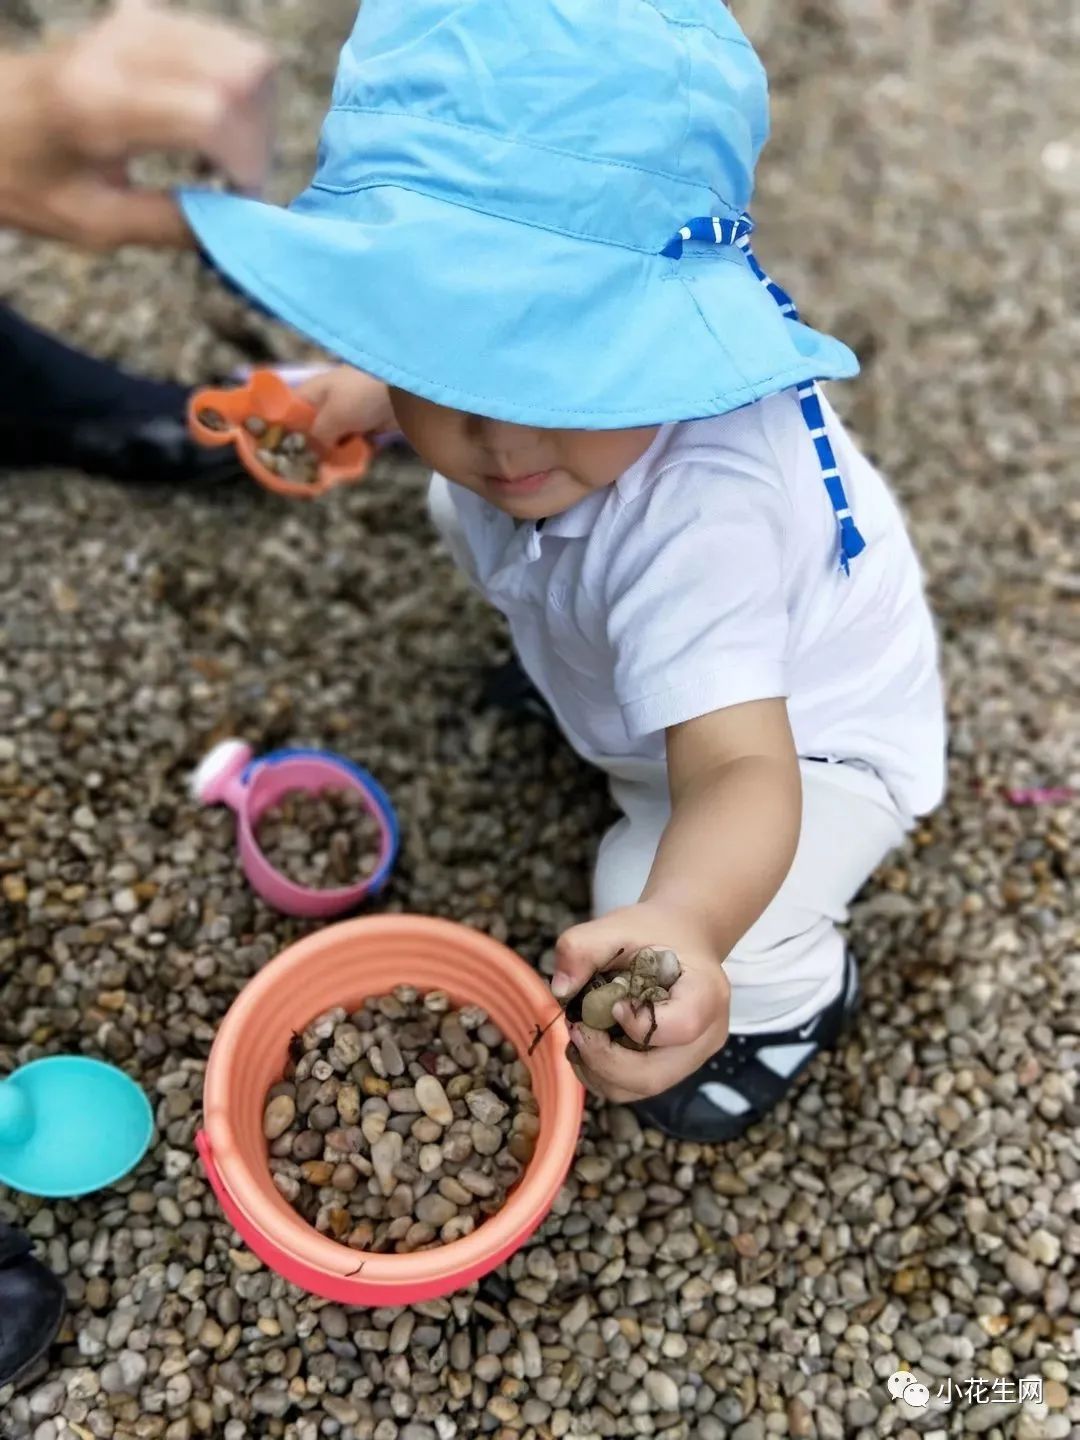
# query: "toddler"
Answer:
x=528 y=222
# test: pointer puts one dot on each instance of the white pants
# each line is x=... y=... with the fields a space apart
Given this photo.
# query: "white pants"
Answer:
x=790 y=963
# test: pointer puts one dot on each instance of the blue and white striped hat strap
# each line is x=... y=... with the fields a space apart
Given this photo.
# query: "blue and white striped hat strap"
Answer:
x=716 y=230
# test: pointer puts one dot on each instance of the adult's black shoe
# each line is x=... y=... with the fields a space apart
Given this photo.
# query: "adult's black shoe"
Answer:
x=130 y=448
x=62 y=408
x=32 y=1303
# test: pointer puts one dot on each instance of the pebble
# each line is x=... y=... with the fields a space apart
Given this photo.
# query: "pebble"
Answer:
x=1024 y=1276
x=758 y=1297
x=706 y=1208
x=279 y=1115
x=662 y=1390
x=124 y=1375
x=1044 y=1247
x=401 y=1332
x=574 y=1320
x=752 y=1429
x=435 y=1210
x=432 y=1100
x=386 y=1156
x=485 y=1107
x=48 y=1399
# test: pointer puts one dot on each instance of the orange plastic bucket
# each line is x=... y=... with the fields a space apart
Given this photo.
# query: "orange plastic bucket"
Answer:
x=342 y=965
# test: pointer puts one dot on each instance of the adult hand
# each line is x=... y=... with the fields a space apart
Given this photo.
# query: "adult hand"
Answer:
x=140 y=80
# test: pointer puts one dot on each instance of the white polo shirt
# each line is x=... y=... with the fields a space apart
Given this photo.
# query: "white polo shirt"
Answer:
x=707 y=576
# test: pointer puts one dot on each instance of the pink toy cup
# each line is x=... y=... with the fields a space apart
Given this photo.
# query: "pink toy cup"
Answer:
x=342 y=965
x=230 y=776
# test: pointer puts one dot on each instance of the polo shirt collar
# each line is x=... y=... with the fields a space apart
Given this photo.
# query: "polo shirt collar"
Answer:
x=631 y=482
x=580 y=519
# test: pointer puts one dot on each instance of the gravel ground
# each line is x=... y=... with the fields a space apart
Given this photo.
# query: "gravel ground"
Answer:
x=915 y=1206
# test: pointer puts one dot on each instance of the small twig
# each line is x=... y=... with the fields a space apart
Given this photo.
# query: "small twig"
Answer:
x=539 y=1034
x=636 y=1008
x=350 y=1273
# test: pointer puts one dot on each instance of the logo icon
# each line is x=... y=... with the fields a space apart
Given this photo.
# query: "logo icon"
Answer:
x=904 y=1386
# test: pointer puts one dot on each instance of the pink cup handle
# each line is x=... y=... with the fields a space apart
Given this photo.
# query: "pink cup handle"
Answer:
x=219 y=779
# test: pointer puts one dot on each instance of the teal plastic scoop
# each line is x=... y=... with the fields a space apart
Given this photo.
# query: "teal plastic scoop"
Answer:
x=69 y=1125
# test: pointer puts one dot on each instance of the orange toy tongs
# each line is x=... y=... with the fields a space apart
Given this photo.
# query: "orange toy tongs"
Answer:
x=256 y=417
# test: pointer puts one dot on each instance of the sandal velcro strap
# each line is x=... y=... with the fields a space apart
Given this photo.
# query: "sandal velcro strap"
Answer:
x=761 y=1087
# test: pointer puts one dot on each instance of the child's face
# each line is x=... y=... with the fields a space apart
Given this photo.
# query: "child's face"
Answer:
x=528 y=472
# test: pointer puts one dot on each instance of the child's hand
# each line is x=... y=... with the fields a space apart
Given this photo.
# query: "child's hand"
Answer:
x=690 y=1027
x=348 y=403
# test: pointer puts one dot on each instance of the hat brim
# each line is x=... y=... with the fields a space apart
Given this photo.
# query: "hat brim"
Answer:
x=507 y=320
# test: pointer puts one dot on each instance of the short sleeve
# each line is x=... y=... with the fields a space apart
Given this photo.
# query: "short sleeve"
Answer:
x=696 y=609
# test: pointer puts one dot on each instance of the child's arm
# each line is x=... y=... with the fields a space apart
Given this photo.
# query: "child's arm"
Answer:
x=736 y=809
x=348 y=403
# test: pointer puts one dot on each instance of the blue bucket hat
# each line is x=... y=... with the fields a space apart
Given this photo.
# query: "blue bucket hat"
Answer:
x=535 y=212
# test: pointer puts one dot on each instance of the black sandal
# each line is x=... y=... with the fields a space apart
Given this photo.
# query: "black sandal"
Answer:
x=750 y=1075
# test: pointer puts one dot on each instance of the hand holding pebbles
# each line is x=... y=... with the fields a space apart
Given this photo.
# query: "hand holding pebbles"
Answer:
x=646 y=982
x=598 y=1005
x=401 y=1127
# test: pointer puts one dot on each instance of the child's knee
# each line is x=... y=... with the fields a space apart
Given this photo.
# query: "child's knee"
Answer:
x=622 y=867
x=782 y=970
x=784 y=930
